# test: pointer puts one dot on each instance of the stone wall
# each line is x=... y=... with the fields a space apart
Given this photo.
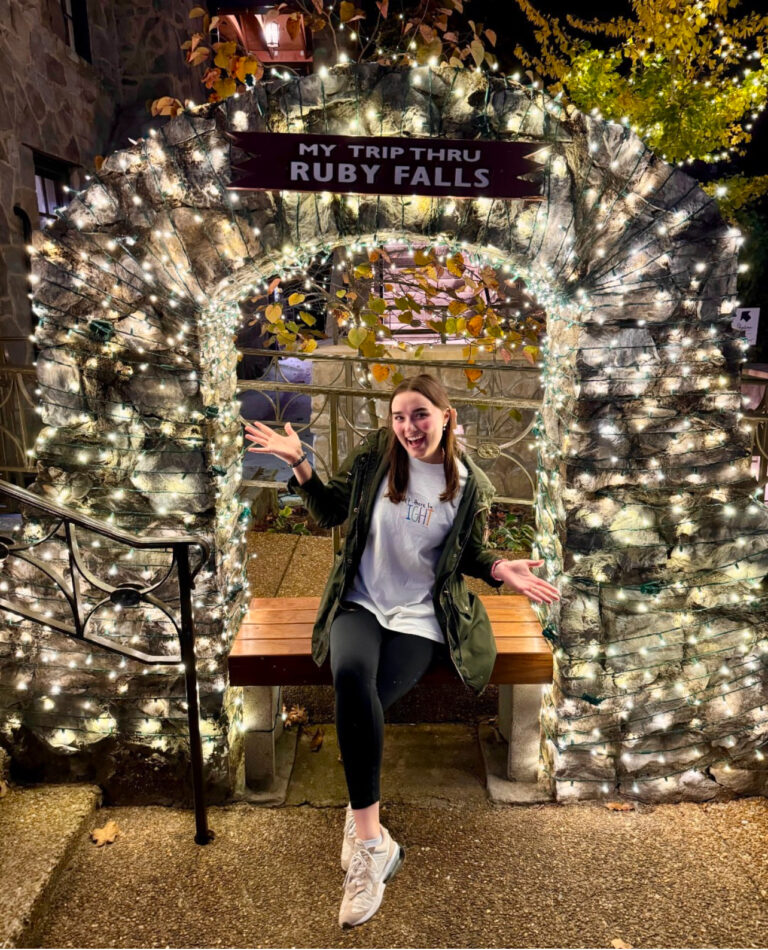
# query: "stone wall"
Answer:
x=645 y=512
x=54 y=102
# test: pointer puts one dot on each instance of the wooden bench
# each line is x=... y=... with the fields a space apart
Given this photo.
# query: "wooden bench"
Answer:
x=274 y=644
x=274 y=648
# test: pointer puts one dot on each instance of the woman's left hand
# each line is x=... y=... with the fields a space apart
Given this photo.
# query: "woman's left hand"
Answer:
x=518 y=576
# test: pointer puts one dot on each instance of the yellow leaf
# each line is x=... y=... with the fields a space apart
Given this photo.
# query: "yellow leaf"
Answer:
x=341 y=294
x=295 y=299
x=491 y=34
x=196 y=12
x=273 y=312
x=473 y=374
x=346 y=11
x=421 y=257
x=357 y=336
x=455 y=307
x=253 y=67
x=380 y=372
x=478 y=51
x=363 y=270
x=308 y=318
x=225 y=88
x=237 y=68
x=309 y=346
x=224 y=53
x=455 y=265
x=105 y=835
x=620 y=806
x=373 y=256
x=475 y=325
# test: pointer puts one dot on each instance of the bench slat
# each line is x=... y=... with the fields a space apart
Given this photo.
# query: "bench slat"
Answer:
x=298 y=646
x=273 y=645
x=289 y=609
x=303 y=631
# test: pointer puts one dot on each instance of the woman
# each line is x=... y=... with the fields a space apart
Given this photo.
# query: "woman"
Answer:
x=416 y=509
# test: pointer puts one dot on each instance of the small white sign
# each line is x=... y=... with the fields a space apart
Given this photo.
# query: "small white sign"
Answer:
x=746 y=321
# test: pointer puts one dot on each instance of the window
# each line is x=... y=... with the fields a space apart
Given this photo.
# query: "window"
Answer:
x=76 y=33
x=52 y=178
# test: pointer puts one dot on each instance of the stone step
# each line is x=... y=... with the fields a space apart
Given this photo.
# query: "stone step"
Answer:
x=39 y=827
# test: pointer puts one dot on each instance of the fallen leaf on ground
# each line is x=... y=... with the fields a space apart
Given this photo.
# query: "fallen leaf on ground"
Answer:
x=296 y=715
x=105 y=835
x=620 y=945
x=317 y=740
x=620 y=806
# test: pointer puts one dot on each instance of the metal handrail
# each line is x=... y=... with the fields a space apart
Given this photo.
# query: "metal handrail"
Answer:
x=67 y=523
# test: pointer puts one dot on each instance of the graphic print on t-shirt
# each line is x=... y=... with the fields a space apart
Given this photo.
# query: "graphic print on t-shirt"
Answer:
x=396 y=574
x=419 y=512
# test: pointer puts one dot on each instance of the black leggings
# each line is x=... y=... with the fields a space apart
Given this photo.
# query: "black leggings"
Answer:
x=372 y=667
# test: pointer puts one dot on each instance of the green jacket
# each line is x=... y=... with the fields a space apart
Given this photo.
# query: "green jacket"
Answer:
x=349 y=496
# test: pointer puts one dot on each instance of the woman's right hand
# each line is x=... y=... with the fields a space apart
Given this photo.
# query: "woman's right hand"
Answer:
x=267 y=441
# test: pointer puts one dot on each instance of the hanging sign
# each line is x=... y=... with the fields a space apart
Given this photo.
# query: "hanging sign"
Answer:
x=450 y=168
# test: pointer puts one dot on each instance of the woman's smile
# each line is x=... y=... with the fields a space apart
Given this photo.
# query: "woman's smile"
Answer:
x=418 y=425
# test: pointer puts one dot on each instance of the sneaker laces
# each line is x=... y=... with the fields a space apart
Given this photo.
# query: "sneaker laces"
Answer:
x=362 y=869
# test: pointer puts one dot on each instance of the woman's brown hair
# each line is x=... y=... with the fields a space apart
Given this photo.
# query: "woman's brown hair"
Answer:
x=435 y=392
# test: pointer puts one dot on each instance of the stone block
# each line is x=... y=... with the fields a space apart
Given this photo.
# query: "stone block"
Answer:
x=519 y=710
x=741 y=781
x=262 y=724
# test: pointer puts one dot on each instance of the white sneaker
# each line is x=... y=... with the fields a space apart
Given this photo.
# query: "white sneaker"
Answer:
x=348 y=844
x=369 y=871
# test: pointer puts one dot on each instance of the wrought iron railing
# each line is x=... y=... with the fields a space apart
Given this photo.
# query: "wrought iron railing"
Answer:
x=80 y=615
x=758 y=419
x=497 y=422
x=19 y=422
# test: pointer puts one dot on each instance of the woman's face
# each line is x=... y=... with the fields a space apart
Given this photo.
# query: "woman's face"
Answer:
x=418 y=425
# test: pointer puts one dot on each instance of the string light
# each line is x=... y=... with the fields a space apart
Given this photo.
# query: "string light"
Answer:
x=164 y=338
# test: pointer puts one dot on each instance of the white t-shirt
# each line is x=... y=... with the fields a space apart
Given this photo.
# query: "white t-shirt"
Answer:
x=397 y=569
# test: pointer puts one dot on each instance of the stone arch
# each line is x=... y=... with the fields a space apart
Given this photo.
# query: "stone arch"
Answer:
x=641 y=450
